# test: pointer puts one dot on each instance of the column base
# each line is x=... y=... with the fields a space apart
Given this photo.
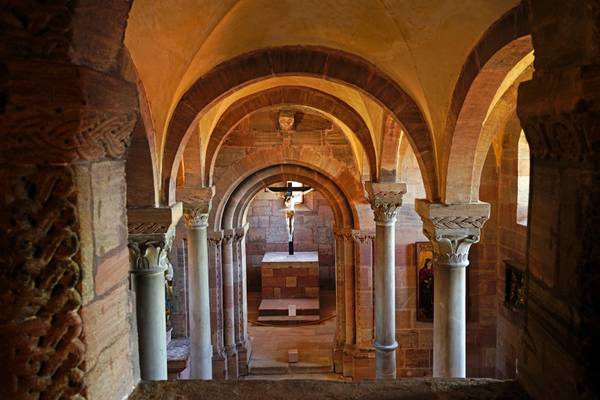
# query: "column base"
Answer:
x=363 y=364
x=219 y=364
x=385 y=361
x=347 y=361
x=244 y=351
x=233 y=371
x=338 y=357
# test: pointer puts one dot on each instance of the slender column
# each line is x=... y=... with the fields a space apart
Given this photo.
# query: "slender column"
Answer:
x=385 y=199
x=198 y=292
x=228 y=304
x=451 y=229
x=149 y=260
x=241 y=303
x=216 y=304
x=340 y=293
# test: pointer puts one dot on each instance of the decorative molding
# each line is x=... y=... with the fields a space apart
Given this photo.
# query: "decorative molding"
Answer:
x=385 y=199
x=149 y=253
x=141 y=228
x=42 y=351
x=153 y=220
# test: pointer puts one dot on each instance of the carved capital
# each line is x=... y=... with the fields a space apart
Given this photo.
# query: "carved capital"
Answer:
x=452 y=229
x=228 y=236
x=363 y=237
x=559 y=113
x=145 y=221
x=385 y=199
x=89 y=116
x=240 y=232
x=342 y=233
x=215 y=238
x=149 y=253
x=195 y=218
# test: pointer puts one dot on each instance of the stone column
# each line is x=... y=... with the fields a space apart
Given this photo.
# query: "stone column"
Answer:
x=228 y=304
x=200 y=360
x=363 y=364
x=216 y=304
x=385 y=199
x=242 y=342
x=340 y=301
x=451 y=229
x=149 y=260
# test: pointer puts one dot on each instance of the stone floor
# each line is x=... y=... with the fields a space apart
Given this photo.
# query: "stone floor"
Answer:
x=270 y=344
x=404 y=389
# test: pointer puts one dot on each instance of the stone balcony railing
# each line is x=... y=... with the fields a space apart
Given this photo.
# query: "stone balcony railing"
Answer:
x=403 y=389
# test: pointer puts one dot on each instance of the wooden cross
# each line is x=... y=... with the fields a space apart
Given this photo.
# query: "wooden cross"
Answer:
x=287 y=193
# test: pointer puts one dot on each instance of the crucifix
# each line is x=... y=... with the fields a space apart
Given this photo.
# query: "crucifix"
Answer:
x=287 y=193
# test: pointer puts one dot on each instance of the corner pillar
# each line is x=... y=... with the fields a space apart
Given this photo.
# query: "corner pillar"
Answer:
x=215 y=274
x=242 y=342
x=385 y=200
x=451 y=229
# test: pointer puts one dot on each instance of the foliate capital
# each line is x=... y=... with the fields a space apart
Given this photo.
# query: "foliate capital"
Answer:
x=452 y=229
x=363 y=237
x=228 y=236
x=195 y=217
x=342 y=233
x=215 y=238
x=385 y=199
x=149 y=252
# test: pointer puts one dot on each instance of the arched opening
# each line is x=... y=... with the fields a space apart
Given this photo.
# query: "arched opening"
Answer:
x=523 y=162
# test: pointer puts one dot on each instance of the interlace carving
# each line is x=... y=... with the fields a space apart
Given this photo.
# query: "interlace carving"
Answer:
x=456 y=222
x=70 y=135
x=40 y=327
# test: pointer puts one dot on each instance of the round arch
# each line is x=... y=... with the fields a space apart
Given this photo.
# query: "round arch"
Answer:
x=324 y=63
x=504 y=45
x=289 y=95
x=234 y=207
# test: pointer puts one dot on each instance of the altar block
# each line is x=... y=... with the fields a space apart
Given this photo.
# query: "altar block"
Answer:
x=286 y=276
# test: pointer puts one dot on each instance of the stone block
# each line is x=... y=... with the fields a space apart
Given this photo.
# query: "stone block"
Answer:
x=108 y=188
x=112 y=270
x=293 y=356
x=291 y=282
x=417 y=358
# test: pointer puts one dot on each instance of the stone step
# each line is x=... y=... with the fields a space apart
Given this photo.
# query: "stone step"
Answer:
x=287 y=320
x=280 y=307
x=280 y=368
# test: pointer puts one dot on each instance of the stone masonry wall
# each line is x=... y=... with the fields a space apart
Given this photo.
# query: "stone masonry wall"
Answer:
x=268 y=232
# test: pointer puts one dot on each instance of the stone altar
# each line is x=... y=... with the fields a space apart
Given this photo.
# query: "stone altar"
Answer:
x=290 y=288
x=290 y=276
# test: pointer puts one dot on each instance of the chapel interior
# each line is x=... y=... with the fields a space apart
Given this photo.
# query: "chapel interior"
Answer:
x=260 y=199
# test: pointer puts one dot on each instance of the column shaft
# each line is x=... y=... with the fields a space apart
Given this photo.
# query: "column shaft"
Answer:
x=228 y=304
x=385 y=297
x=385 y=200
x=151 y=323
x=198 y=286
x=449 y=321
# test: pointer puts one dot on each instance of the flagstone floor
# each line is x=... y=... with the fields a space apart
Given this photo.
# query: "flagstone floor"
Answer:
x=270 y=344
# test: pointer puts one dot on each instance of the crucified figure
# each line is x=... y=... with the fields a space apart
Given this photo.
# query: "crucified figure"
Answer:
x=287 y=193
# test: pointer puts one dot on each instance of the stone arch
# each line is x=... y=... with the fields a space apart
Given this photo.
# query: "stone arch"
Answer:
x=344 y=179
x=141 y=167
x=325 y=63
x=235 y=205
x=289 y=95
x=504 y=44
x=390 y=147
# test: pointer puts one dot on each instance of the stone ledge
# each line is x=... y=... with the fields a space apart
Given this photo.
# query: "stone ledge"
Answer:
x=407 y=389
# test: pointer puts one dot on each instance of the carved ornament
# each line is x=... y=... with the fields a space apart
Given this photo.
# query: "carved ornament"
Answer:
x=42 y=351
x=149 y=253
